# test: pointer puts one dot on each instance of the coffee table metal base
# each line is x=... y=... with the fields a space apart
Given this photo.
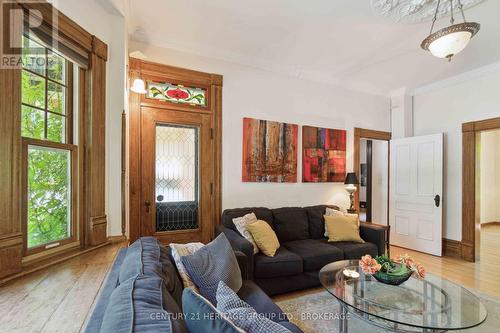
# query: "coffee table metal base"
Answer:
x=392 y=327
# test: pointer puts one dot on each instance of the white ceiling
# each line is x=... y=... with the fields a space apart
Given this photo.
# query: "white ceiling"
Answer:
x=334 y=41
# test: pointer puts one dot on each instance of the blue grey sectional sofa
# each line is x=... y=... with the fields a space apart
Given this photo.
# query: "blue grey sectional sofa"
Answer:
x=143 y=293
x=304 y=248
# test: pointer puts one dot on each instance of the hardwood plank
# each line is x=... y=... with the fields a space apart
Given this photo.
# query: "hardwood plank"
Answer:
x=72 y=311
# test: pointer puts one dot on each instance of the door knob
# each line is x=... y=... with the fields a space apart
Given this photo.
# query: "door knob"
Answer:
x=147 y=203
x=437 y=200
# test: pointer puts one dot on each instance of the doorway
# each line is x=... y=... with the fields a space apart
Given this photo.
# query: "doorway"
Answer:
x=373 y=146
x=175 y=154
x=374 y=181
x=472 y=199
x=488 y=175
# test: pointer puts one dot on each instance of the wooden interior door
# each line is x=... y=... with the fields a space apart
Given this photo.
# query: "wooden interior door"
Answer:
x=177 y=175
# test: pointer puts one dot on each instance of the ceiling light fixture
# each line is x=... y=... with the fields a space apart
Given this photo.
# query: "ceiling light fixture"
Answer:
x=449 y=41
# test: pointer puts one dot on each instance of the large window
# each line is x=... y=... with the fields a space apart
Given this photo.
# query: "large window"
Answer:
x=49 y=155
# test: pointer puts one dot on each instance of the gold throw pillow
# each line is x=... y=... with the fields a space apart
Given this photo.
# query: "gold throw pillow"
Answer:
x=342 y=228
x=265 y=237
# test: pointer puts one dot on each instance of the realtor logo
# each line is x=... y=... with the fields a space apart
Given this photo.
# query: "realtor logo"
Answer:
x=22 y=18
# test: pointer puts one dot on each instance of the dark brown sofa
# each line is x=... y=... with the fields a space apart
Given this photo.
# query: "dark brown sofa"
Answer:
x=304 y=248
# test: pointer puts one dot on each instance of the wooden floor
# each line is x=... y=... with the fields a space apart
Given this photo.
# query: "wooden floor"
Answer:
x=55 y=299
x=58 y=299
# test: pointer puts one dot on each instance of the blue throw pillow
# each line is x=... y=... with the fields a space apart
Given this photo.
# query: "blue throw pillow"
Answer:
x=142 y=305
x=202 y=317
x=243 y=315
x=211 y=264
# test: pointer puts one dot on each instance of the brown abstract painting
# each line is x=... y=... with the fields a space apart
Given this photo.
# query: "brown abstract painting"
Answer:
x=269 y=151
x=324 y=155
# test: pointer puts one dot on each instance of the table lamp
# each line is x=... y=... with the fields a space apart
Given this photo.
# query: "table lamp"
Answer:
x=351 y=180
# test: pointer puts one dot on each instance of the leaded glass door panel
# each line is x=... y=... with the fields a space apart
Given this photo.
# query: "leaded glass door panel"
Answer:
x=176 y=174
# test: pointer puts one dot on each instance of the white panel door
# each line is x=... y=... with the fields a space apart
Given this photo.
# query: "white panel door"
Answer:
x=416 y=181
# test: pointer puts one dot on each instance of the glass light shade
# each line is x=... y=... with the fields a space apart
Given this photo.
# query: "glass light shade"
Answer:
x=451 y=44
x=139 y=86
x=449 y=41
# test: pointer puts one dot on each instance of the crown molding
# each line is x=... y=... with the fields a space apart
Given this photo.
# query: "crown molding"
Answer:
x=457 y=79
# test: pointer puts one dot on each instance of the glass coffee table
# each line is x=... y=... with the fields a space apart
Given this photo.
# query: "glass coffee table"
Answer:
x=429 y=305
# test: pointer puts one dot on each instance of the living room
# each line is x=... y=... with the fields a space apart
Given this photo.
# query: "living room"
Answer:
x=250 y=166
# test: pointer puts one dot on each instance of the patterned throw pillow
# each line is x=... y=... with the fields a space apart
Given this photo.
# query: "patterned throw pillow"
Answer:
x=202 y=317
x=214 y=262
x=180 y=250
x=334 y=212
x=241 y=224
x=242 y=314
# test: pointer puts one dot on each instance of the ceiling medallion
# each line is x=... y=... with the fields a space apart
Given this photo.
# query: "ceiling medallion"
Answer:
x=449 y=41
x=414 y=11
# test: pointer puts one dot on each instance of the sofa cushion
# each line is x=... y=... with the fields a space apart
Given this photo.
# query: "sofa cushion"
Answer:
x=138 y=305
x=316 y=221
x=202 y=317
x=260 y=301
x=291 y=223
x=146 y=256
x=212 y=263
x=354 y=250
x=283 y=263
x=244 y=315
x=262 y=213
x=314 y=253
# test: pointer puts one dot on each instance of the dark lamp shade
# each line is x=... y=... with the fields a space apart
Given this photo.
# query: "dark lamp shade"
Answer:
x=351 y=179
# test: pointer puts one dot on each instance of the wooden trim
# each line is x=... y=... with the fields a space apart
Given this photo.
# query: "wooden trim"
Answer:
x=68 y=29
x=99 y=48
x=470 y=196
x=452 y=248
x=11 y=241
x=366 y=134
x=213 y=84
x=39 y=265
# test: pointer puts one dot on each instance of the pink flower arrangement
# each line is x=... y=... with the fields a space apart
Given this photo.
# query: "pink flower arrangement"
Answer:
x=369 y=265
x=416 y=267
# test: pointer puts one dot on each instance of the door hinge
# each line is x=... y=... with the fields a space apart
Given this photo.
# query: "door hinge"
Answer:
x=211 y=188
x=212 y=133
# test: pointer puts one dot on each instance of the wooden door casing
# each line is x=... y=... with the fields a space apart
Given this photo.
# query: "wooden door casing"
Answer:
x=213 y=111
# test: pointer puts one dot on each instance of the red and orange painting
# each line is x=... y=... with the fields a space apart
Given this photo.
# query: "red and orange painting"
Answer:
x=269 y=151
x=324 y=155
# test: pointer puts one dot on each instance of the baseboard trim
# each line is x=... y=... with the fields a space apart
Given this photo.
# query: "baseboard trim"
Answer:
x=452 y=248
x=117 y=239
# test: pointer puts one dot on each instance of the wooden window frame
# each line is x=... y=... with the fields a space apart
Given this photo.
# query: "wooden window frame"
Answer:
x=90 y=54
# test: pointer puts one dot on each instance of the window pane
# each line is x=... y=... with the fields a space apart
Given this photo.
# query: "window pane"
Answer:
x=32 y=123
x=48 y=195
x=56 y=98
x=33 y=90
x=176 y=93
x=33 y=56
x=56 y=128
x=56 y=67
x=176 y=177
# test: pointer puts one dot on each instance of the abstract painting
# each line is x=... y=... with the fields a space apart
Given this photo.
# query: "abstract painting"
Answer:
x=269 y=151
x=324 y=155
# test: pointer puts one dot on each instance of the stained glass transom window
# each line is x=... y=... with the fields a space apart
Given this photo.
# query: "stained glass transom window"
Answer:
x=176 y=93
x=176 y=177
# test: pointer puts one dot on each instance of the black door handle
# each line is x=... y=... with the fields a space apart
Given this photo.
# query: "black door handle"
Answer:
x=437 y=200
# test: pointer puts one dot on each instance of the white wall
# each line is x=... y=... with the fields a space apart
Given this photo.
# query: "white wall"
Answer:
x=100 y=19
x=489 y=173
x=250 y=92
x=443 y=110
